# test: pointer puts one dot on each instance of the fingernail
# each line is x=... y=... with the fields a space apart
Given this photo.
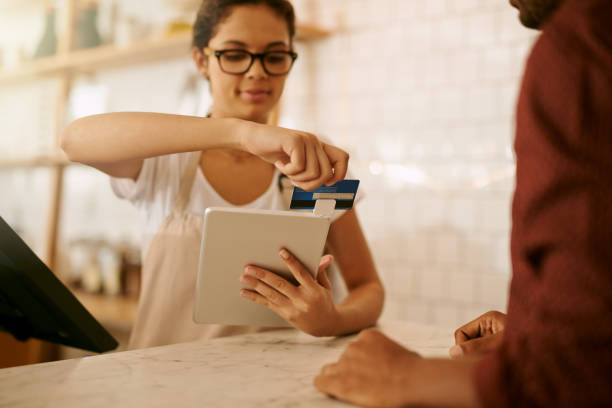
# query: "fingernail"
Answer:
x=456 y=351
x=284 y=254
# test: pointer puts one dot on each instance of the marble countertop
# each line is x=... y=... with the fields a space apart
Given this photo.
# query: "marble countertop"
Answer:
x=269 y=369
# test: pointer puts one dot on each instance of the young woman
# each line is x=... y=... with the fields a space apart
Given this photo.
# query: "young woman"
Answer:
x=172 y=167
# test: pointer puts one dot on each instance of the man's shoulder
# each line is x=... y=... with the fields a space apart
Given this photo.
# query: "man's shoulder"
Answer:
x=586 y=24
x=575 y=45
x=565 y=100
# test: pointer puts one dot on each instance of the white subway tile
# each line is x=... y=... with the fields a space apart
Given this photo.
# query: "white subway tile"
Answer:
x=462 y=287
x=482 y=103
x=415 y=311
x=477 y=251
x=464 y=5
x=480 y=30
x=406 y=10
x=417 y=249
x=432 y=284
x=420 y=38
x=449 y=33
x=501 y=261
x=448 y=249
x=498 y=63
x=446 y=315
x=462 y=214
x=496 y=215
x=493 y=290
x=435 y=8
x=465 y=67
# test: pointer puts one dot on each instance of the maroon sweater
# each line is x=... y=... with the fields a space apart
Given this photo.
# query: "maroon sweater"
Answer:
x=557 y=350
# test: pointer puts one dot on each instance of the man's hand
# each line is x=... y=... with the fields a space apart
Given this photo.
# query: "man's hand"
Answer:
x=479 y=336
x=374 y=371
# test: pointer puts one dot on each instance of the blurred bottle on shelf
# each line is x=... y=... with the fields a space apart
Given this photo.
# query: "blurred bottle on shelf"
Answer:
x=91 y=280
x=181 y=15
x=99 y=267
x=87 y=26
x=110 y=270
x=48 y=43
x=130 y=270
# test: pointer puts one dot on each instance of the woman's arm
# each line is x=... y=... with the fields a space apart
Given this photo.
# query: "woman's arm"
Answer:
x=117 y=144
x=364 y=303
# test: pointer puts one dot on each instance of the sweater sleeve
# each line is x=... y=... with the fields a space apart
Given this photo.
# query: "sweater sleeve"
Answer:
x=557 y=350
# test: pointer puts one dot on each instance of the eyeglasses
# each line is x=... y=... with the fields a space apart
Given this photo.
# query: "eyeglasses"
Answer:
x=238 y=62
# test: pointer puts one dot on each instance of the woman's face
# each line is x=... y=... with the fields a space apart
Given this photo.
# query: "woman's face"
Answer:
x=252 y=95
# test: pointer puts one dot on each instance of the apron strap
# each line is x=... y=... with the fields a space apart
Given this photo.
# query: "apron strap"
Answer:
x=184 y=193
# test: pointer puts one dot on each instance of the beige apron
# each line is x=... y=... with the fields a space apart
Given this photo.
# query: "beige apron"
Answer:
x=165 y=308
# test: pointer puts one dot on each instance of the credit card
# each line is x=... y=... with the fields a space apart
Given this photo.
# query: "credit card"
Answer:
x=343 y=192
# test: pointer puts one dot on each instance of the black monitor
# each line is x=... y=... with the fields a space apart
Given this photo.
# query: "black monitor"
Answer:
x=35 y=303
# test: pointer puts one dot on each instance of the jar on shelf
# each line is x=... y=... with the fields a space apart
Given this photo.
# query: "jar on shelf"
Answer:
x=48 y=43
x=87 y=27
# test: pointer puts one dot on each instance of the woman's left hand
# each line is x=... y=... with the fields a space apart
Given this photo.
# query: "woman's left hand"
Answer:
x=308 y=307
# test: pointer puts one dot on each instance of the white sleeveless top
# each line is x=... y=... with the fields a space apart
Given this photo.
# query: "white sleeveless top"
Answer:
x=155 y=190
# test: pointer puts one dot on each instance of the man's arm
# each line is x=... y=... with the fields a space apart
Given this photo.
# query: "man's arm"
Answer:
x=375 y=371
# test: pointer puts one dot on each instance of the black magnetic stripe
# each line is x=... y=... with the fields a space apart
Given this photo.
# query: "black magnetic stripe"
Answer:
x=344 y=204
x=310 y=204
x=302 y=204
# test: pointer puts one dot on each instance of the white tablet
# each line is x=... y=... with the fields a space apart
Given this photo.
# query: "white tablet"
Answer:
x=233 y=238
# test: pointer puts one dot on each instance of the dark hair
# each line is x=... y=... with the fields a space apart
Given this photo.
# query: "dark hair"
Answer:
x=213 y=12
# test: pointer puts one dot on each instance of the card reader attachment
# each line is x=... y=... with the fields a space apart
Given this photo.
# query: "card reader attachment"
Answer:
x=324 y=207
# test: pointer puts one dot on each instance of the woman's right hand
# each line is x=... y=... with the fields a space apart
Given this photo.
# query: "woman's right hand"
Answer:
x=308 y=162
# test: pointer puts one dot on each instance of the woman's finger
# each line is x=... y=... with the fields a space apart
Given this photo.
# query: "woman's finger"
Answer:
x=339 y=161
x=325 y=168
x=264 y=290
x=258 y=298
x=298 y=270
x=272 y=280
x=322 y=276
x=312 y=169
x=323 y=279
x=325 y=261
x=296 y=152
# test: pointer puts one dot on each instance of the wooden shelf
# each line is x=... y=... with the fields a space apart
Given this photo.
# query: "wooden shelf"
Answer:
x=98 y=58
x=310 y=32
x=112 y=56
x=36 y=161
